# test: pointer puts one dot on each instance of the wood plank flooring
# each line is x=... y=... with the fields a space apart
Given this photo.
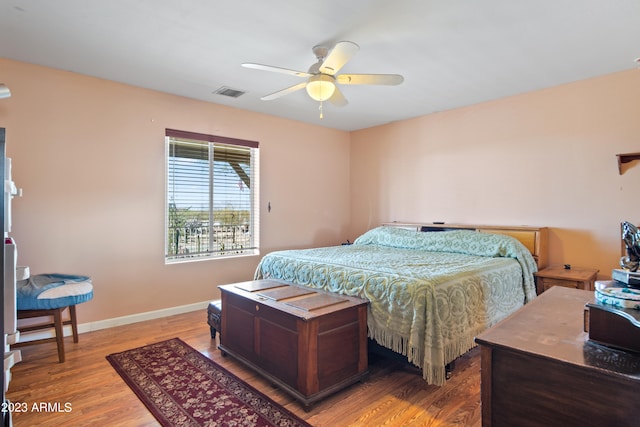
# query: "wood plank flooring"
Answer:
x=86 y=391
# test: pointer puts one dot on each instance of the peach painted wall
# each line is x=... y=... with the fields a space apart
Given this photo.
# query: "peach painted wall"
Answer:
x=89 y=156
x=546 y=158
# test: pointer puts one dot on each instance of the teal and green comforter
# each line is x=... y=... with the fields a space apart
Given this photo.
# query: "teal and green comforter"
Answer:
x=430 y=293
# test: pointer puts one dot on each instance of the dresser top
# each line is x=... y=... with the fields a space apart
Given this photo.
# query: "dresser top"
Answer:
x=552 y=326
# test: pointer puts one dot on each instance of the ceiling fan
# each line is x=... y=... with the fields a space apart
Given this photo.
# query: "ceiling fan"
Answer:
x=322 y=76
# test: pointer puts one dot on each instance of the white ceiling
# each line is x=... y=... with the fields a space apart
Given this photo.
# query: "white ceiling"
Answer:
x=452 y=53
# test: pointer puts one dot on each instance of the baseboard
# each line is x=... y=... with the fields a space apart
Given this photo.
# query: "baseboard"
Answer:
x=118 y=321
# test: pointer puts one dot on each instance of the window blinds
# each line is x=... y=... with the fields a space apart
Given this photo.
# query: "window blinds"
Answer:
x=211 y=196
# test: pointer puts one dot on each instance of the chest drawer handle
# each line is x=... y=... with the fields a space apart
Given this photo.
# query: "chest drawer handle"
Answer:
x=257 y=307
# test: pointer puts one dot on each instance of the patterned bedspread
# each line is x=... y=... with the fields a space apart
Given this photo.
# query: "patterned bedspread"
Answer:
x=430 y=293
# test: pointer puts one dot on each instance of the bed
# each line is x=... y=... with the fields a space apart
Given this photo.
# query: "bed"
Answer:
x=430 y=292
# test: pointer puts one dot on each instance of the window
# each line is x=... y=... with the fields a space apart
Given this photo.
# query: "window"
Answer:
x=212 y=197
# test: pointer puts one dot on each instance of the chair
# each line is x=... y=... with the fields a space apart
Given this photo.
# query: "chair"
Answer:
x=59 y=293
x=55 y=314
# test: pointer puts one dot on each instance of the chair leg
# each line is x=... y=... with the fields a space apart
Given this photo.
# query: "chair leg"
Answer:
x=58 y=324
x=74 y=322
x=57 y=320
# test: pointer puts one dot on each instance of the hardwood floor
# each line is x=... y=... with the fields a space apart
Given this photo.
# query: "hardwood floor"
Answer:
x=85 y=390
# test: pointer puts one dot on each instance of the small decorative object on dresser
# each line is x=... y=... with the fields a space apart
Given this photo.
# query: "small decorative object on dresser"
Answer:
x=631 y=240
x=573 y=277
x=613 y=319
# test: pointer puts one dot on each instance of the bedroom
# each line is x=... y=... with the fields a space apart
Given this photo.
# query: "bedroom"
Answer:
x=88 y=154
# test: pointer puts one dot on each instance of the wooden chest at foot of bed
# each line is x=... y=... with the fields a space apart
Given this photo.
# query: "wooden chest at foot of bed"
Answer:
x=308 y=342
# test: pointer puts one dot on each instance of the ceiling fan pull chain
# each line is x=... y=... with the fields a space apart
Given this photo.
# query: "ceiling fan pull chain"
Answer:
x=321 y=115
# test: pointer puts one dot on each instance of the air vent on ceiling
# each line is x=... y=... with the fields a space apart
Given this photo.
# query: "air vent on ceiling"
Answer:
x=227 y=91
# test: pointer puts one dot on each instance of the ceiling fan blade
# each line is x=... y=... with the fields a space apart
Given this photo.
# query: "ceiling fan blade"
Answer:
x=338 y=99
x=284 y=92
x=276 y=69
x=370 y=79
x=340 y=55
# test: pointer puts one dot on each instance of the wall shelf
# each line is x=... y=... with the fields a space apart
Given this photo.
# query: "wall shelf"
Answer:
x=626 y=158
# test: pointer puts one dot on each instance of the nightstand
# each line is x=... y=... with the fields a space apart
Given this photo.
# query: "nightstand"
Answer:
x=575 y=277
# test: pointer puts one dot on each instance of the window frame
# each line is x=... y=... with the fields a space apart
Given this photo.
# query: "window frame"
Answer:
x=211 y=142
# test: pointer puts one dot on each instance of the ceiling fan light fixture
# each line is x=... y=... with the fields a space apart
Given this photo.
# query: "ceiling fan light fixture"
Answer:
x=321 y=87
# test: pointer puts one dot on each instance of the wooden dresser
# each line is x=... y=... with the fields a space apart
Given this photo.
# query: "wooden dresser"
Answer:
x=538 y=368
x=309 y=342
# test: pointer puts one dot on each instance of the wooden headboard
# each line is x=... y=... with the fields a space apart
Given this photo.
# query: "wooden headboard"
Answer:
x=533 y=238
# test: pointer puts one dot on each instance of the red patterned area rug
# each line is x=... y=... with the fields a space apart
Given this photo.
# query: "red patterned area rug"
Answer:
x=182 y=387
